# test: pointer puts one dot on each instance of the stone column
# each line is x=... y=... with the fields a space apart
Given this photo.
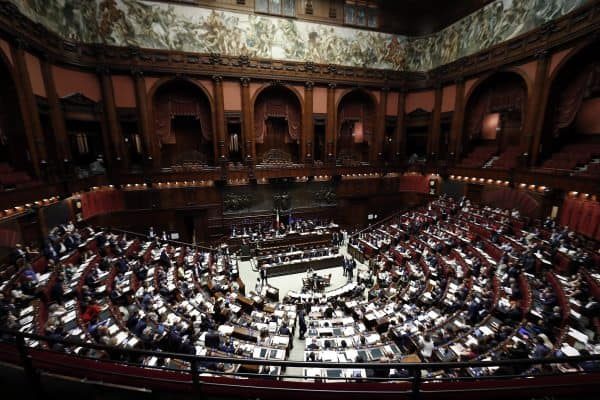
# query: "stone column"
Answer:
x=400 y=133
x=29 y=110
x=57 y=118
x=222 y=150
x=330 y=127
x=458 y=117
x=247 y=123
x=110 y=117
x=535 y=113
x=434 y=137
x=141 y=100
x=377 y=152
x=308 y=132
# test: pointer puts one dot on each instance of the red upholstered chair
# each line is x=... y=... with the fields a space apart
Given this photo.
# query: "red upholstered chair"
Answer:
x=5 y=168
x=585 y=225
x=566 y=211
x=40 y=265
x=576 y=211
x=526 y=290
x=562 y=263
x=593 y=284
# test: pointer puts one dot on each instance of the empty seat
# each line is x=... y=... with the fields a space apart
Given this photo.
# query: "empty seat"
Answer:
x=479 y=156
x=507 y=159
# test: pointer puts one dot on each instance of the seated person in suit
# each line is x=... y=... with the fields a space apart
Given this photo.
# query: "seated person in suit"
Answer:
x=284 y=329
x=313 y=345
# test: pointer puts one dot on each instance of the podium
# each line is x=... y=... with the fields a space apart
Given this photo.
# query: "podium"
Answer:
x=273 y=293
x=245 y=252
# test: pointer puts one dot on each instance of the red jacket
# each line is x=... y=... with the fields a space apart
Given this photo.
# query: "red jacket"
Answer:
x=91 y=312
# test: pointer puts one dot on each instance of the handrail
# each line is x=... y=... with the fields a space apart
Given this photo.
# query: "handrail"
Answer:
x=309 y=364
x=141 y=235
x=389 y=217
x=551 y=170
x=413 y=379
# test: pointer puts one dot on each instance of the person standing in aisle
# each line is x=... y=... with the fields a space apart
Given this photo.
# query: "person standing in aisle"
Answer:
x=263 y=275
x=301 y=324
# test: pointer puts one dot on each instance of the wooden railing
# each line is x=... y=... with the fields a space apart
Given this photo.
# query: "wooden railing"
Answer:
x=187 y=373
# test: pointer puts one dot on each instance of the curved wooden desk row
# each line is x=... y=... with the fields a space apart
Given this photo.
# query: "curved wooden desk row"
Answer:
x=300 y=266
x=278 y=241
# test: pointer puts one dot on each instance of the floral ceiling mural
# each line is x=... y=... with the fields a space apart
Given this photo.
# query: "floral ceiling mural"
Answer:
x=157 y=25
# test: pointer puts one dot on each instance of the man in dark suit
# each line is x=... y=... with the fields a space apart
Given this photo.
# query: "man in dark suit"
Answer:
x=351 y=265
x=70 y=242
x=121 y=265
x=57 y=291
x=301 y=324
x=284 y=330
x=17 y=254
x=164 y=259
x=50 y=252
x=263 y=274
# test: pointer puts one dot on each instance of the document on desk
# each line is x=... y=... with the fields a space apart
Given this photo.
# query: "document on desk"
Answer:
x=132 y=342
x=569 y=351
x=26 y=310
x=373 y=338
x=69 y=316
x=276 y=354
x=433 y=315
x=279 y=340
x=259 y=352
x=152 y=361
x=121 y=336
x=351 y=355
x=225 y=330
x=329 y=356
x=457 y=348
x=113 y=329
x=312 y=372
x=577 y=335
x=486 y=331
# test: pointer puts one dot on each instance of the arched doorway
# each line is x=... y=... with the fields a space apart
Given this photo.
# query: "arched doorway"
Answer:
x=356 y=127
x=495 y=112
x=571 y=132
x=183 y=123
x=277 y=125
x=87 y=137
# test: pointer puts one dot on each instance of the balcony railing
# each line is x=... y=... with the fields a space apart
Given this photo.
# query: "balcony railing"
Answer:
x=187 y=373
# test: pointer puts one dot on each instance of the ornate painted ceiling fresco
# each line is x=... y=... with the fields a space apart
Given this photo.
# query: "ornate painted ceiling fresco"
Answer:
x=495 y=23
x=154 y=25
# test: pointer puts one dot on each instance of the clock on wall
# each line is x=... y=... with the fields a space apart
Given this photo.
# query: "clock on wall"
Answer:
x=432 y=186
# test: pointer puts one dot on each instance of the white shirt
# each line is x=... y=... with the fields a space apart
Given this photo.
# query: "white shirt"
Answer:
x=426 y=348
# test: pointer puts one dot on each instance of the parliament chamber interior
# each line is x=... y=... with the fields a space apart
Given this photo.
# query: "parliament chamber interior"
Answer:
x=266 y=199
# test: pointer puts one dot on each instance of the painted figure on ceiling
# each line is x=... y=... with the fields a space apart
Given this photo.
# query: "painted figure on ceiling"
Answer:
x=395 y=54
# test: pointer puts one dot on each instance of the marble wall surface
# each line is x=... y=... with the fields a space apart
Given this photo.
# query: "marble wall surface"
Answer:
x=158 y=25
